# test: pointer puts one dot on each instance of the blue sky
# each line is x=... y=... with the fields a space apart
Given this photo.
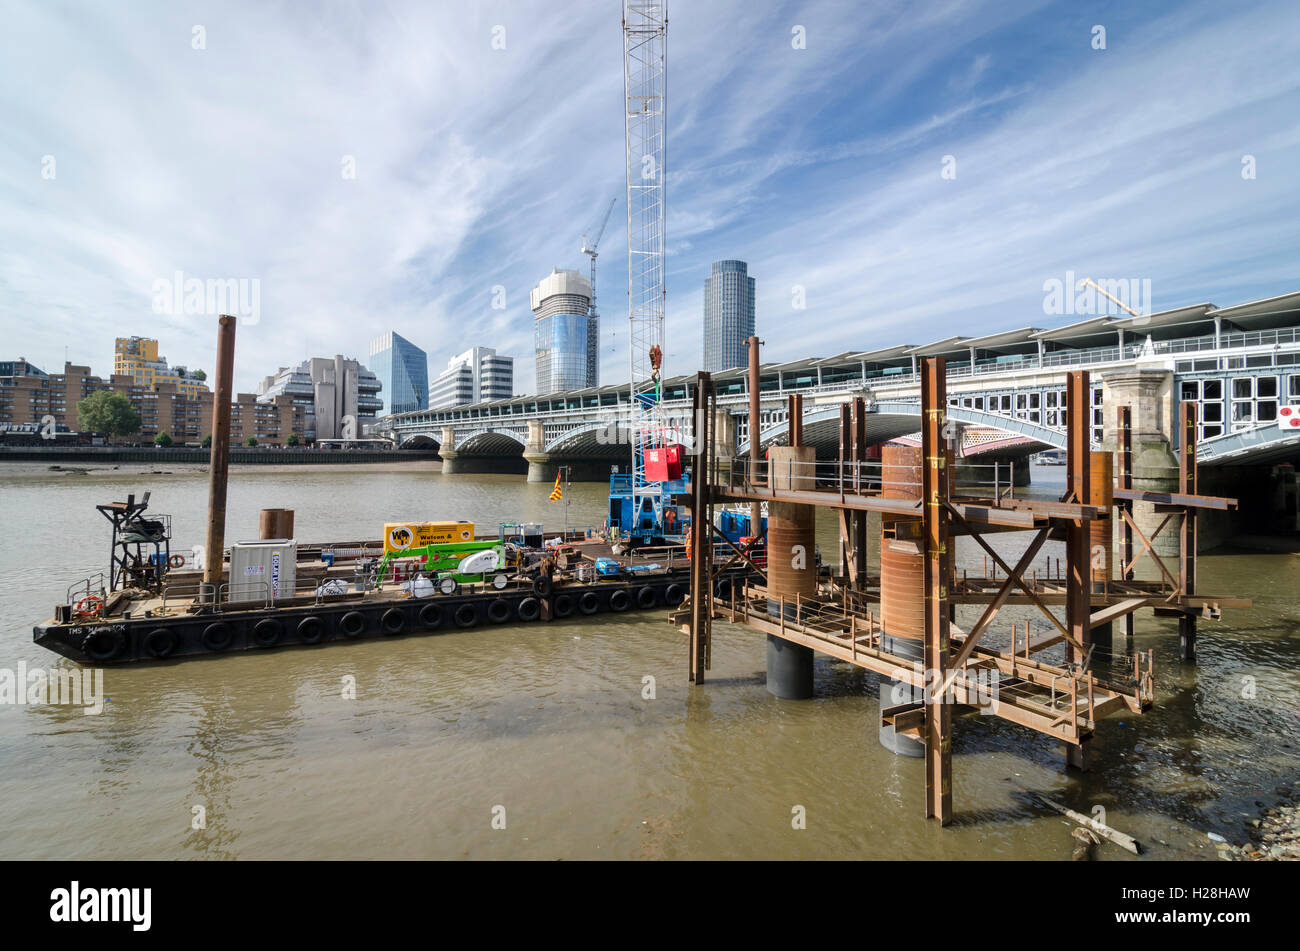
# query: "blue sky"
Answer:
x=478 y=167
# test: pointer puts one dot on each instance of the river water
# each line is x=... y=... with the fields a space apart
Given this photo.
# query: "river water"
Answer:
x=549 y=727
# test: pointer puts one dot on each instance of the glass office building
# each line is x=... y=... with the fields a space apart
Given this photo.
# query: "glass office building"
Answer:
x=728 y=315
x=403 y=371
x=565 y=333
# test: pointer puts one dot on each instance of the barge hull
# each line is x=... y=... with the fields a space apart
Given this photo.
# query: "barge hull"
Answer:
x=125 y=640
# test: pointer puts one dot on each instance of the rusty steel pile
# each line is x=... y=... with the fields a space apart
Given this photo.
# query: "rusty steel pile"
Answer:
x=901 y=622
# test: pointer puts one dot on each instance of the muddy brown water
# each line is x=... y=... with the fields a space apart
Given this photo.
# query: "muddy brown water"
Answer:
x=552 y=727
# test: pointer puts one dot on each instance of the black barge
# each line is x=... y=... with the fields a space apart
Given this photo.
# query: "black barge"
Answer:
x=154 y=604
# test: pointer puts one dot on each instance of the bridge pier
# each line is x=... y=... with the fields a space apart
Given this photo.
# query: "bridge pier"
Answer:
x=544 y=466
x=540 y=467
x=1149 y=392
x=724 y=441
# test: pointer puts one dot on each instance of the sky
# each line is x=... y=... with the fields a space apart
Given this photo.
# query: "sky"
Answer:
x=893 y=172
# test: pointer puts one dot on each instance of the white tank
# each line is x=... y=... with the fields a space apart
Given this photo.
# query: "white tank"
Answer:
x=478 y=563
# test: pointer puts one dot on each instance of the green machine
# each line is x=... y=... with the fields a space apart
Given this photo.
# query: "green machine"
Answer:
x=443 y=562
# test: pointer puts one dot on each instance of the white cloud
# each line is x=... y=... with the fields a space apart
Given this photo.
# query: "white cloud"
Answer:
x=477 y=167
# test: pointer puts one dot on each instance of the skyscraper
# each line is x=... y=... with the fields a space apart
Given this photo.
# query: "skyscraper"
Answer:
x=728 y=315
x=475 y=376
x=403 y=369
x=566 y=333
x=329 y=390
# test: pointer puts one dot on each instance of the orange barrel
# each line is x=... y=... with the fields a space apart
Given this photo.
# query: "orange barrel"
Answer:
x=1101 y=531
x=791 y=527
x=902 y=587
x=902 y=563
x=791 y=568
x=275 y=523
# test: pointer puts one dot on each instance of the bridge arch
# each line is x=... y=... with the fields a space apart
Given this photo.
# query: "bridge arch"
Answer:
x=599 y=439
x=420 y=441
x=491 y=442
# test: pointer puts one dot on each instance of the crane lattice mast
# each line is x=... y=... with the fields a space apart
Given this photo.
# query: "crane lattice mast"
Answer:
x=645 y=26
x=591 y=250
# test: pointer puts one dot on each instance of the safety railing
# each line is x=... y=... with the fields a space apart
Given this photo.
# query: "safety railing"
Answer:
x=846 y=477
x=997 y=474
x=203 y=592
x=243 y=589
x=94 y=585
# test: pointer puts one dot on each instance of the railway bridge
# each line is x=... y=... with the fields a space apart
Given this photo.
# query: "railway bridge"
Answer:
x=1240 y=365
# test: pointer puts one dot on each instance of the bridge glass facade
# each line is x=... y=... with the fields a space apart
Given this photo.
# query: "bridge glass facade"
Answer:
x=1241 y=363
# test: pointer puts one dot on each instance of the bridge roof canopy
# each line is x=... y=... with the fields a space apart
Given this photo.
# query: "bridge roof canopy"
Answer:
x=1008 y=339
x=1190 y=321
x=885 y=355
x=808 y=363
x=1271 y=312
x=1002 y=342
x=940 y=347
x=1083 y=333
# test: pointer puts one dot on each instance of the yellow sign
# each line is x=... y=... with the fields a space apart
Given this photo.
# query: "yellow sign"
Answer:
x=399 y=536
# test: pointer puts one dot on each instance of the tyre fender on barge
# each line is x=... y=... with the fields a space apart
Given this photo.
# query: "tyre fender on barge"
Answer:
x=128 y=639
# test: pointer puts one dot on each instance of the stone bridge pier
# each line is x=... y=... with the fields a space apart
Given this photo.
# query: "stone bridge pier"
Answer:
x=541 y=467
x=544 y=464
x=447 y=449
x=1149 y=392
x=724 y=441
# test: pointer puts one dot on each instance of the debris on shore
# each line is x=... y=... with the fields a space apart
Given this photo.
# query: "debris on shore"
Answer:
x=1274 y=836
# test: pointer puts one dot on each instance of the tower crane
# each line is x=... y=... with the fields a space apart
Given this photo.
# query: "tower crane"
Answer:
x=589 y=249
x=645 y=27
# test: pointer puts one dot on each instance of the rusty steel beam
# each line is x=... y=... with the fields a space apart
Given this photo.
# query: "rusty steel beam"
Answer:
x=219 y=459
x=1069 y=511
x=845 y=520
x=934 y=495
x=755 y=426
x=738 y=555
x=976 y=514
x=794 y=419
x=1034 y=597
x=858 y=425
x=701 y=540
x=1187 y=481
x=1180 y=499
x=1148 y=546
x=1078 y=572
x=1124 y=484
x=1015 y=576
